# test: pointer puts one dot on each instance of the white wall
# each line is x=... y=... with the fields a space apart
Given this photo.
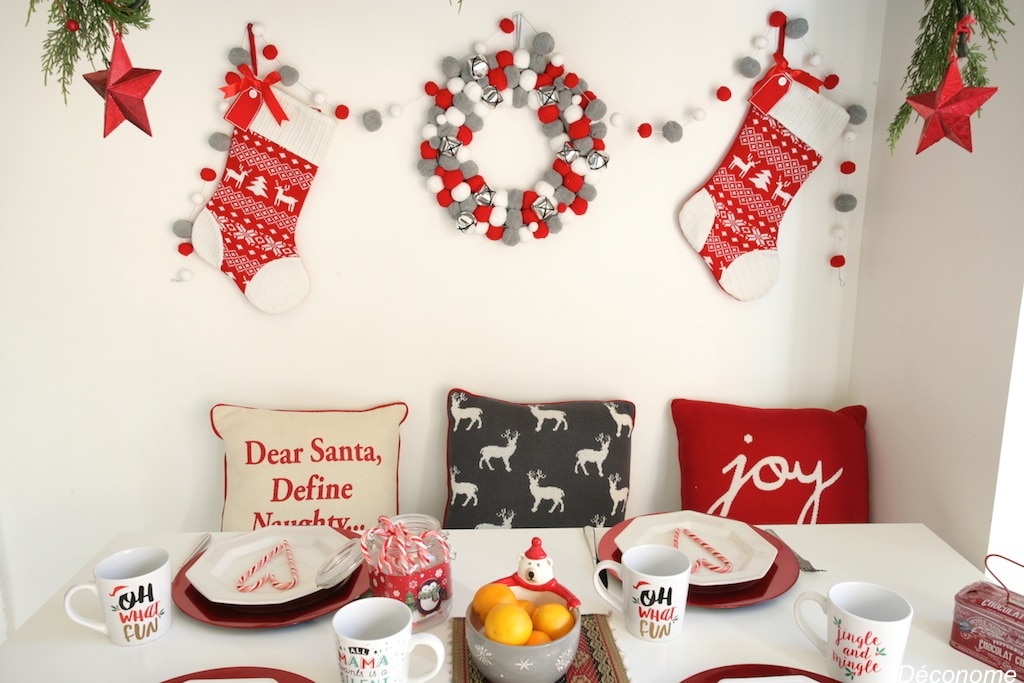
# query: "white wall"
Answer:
x=109 y=368
x=938 y=305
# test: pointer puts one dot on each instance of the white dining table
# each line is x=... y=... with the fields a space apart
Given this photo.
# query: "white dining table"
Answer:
x=908 y=558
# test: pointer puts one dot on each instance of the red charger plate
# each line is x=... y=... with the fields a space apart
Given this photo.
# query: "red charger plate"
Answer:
x=779 y=579
x=752 y=671
x=235 y=672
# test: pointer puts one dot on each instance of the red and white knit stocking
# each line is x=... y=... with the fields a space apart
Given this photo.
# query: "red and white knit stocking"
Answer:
x=733 y=221
x=247 y=229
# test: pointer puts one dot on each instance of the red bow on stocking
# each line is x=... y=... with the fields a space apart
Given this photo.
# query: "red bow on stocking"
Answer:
x=257 y=92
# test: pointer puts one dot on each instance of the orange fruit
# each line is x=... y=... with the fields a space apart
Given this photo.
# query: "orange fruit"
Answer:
x=526 y=605
x=554 y=619
x=538 y=638
x=508 y=624
x=489 y=595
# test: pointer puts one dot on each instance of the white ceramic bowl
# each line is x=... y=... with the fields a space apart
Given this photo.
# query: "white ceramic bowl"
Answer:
x=522 y=663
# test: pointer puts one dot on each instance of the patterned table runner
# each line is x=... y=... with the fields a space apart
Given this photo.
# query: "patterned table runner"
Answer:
x=597 y=659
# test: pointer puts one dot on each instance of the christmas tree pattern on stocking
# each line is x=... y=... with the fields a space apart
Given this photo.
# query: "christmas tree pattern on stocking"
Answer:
x=247 y=229
x=733 y=221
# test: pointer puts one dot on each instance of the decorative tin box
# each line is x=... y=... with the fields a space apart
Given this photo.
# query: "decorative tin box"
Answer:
x=988 y=624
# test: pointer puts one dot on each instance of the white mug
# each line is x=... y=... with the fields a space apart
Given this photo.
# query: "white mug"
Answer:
x=867 y=626
x=374 y=638
x=652 y=598
x=133 y=588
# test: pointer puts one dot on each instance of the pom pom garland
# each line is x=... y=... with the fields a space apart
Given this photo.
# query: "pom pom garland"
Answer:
x=568 y=113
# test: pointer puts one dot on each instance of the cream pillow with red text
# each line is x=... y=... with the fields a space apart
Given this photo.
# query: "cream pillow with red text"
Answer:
x=334 y=468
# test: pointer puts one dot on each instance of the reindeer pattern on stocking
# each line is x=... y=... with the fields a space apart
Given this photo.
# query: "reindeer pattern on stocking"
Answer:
x=531 y=465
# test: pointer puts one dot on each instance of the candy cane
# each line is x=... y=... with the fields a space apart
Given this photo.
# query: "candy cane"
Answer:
x=246 y=587
x=726 y=565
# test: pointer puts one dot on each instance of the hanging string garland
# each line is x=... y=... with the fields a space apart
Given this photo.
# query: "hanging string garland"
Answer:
x=569 y=115
x=750 y=67
x=245 y=58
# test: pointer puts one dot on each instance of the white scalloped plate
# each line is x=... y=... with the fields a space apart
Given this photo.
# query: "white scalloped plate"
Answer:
x=217 y=571
x=751 y=554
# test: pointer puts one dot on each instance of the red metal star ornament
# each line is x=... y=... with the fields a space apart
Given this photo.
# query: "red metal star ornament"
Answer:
x=947 y=111
x=123 y=87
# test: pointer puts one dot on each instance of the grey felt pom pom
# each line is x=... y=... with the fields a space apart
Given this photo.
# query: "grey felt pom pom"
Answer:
x=599 y=130
x=451 y=67
x=553 y=129
x=289 y=75
x=454 y=209
x=426 y=167
x=845 y=203
x=543 y=43
x=520 y=98
x=463 y=103
x=512 y=76
x=538 y=63
x=596 y=110
x=447 y=130
x=510 y=237
x=564 y=195
x=514 y=218
x=588 y=192
x=672 y=131
x=584 y=145
x=220 y=141
x=474 y=122
x=796 y=28
x=447 y=163
x=555 y=224
x=372 y=120
x=238 y=56
x=749 y=67
x=858 y=114
x=553 y=177
x=469 y=168
x=182 y=228
x=515 y=198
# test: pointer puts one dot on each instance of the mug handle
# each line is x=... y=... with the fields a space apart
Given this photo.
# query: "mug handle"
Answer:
x=809 y=632
x=435 y=644
x=609 y=596
x=75 y=616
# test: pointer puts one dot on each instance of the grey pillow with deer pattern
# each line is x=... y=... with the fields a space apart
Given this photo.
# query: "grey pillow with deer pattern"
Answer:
x=528 y=465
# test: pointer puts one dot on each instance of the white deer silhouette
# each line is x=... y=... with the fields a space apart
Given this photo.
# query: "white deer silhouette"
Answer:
x=239 y=178
x=474 y=415
x=744 y=166
x=465 y=488
x=621 y=420
x=594 y=455
x=506 y=520
x=281 y=197
x=488 y=453
x=542 y=493
x=618 y=495
x=543 y=414
x=779 y=193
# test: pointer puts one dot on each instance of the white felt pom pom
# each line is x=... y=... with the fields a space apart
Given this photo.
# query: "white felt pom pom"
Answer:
x=573 y=113
x=760 y=42
x=527 y=79
x=441 y=119
x=556 y=143
x=455 y=85
x=428 y=131
x=435 y=184
x=594 y=176
x=461 y=192
x=544 y=188
x=482 y=228
x=699 y=114
x=498 y=215
x=615 y=119
x=533 y=100
x=814 y=59
x=482 y=109
x=480 y=48
x=521 y=58
x=849 y=135
x=473 y=91
x=196 y=198
x=557 y=59
x=222 y=106
x=454 y=116
x=184 y=275
x=395 y=111
x=580 y=167
x=319 y=98
x=839 y=232
x=576 y=99
x=500 y=198
x=462 y=155
x=526 y=232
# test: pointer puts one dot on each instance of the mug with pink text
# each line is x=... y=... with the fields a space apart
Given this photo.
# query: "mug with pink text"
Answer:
x=655 y=580
x=866 y=630
x=133 y=588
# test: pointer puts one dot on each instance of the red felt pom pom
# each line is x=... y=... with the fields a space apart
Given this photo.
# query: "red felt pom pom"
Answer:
x=208 y=174
x=542 y=231
x=831 y=81
x=270 y=52
x=548 y=113
x=185 y=248
x=579 y=129
x=443 y=98
x=232 y=77
x=847 y=167
x=504 y=58
x=571 y=80
x=71 y=25
x=837 y=261
x=777 y=19
x=507 y=25
x=430 y=88
x=723 y=94
x=645 y=130
x=341 y=112
x=465 y=135
x=495 y=232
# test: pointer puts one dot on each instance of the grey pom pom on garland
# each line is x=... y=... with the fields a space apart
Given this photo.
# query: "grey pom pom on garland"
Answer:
x=238 y=56
x=749 y=67
x=289 y=75
x=451 y=67
x=858 y=114
x=543 y=43
x=845 y=203
x=182 y=228
x=372 y=120
x=796 y=28
x=673 y=131
x=220 y=141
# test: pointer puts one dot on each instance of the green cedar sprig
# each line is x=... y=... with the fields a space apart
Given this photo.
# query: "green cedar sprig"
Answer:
x=63 y=49
x=930 y=60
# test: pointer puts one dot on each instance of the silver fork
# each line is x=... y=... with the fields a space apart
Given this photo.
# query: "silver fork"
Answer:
x=805 y=565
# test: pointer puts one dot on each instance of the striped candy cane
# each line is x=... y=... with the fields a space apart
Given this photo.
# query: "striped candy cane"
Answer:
x=724 y=567
x=246 y=587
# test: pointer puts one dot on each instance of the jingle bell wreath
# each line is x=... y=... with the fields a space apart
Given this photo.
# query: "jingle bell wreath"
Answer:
x=569 y=115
